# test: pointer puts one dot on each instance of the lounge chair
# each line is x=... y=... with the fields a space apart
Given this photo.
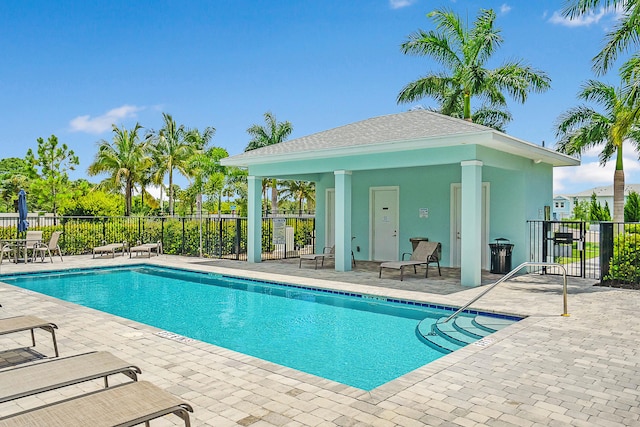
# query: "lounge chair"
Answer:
x=28 y=323
x=146 y=247
x=53 y=374
x=327 y=252
x=424 y=254
x=122 y=405
x=45 y=248
x=110 y=248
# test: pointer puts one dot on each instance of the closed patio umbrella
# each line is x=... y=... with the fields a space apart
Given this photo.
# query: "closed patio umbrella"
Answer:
x=23 y=224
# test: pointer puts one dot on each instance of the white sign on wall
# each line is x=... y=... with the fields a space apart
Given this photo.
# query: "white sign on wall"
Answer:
x=279 y=231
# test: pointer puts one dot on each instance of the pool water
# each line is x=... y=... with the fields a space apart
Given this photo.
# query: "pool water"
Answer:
x=360 y=341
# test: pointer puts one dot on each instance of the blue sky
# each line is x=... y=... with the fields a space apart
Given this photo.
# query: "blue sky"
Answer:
x=72 y=68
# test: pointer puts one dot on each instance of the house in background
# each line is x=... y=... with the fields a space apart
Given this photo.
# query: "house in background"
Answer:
x=603 y=195
x=382 y=181
x=562 y=207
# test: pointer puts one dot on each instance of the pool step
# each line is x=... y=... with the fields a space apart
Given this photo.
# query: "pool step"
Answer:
x=467 y=326
x=450 y=332
x=461 y=331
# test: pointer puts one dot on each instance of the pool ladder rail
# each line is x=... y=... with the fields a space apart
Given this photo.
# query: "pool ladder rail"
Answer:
x=465 y=330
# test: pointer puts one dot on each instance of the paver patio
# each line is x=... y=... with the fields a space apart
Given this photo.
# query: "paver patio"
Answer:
x=544 y=370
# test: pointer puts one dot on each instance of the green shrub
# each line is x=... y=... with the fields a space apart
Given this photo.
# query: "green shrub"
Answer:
x=625 y=264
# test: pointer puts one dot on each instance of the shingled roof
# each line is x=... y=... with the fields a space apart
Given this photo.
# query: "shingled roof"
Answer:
x=411 y=125
x=393 y=131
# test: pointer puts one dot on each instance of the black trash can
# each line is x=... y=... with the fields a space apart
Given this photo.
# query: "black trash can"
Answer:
x=501 y=256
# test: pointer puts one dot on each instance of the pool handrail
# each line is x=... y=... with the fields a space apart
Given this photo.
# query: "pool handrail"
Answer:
x=504 y=279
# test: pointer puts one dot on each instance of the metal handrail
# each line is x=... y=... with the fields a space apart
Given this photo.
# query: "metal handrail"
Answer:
x=505 y=278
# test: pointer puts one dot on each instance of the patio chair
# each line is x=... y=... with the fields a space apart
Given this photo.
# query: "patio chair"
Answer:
x=126 y=404
x=28 y=323
x=110 y=248
x=45 y=248
x=425 y=253
x=33 y=239
x=57 y=373
x=7 y=250
x=146 y=247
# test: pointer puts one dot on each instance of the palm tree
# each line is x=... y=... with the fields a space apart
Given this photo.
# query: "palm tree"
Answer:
x=299 y=191
x=464 y=52
x=124 y=159
x=625 y=32
x=173 y=146
x=273 y=132
x=582 y=128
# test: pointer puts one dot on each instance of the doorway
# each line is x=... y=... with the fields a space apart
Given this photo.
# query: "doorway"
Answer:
x=384 y=206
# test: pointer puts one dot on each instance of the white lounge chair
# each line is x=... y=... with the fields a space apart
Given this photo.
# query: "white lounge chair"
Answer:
x=424 y=254
x=146 y=247
x=127 y=404
x=28 y=323
x=327 y=252
x=110 y=248
x=57 y=373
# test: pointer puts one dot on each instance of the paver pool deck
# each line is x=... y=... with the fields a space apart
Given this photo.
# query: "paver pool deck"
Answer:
x=545 y=370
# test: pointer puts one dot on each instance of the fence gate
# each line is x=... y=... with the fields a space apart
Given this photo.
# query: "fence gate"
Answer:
x=569 y=243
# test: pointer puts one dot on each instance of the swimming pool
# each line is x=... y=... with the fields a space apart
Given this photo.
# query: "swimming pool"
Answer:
x=358 y=340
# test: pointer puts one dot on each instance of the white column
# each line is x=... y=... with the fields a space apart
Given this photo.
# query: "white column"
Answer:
x=471 y=224
x=343 y=220
x=254 y=219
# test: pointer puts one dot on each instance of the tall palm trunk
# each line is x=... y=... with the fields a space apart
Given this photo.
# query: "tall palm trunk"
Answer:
x=171 y=192
x=467 y=106
x=618 y=188
x=274 y=195
x=127 y=196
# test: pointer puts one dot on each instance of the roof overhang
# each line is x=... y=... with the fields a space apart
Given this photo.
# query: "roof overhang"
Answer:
x=489 y=138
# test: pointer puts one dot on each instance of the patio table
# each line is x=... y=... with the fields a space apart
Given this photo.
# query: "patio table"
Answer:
x=18 y=244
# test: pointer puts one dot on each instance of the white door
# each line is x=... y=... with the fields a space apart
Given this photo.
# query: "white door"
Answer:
x=456 y=221
x=384 y=223
x=330 y=218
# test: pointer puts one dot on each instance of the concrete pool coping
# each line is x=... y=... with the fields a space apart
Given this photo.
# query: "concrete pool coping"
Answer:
x=546 y=369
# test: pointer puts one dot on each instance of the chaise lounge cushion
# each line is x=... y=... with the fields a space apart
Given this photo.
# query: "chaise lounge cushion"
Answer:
x=123 y=405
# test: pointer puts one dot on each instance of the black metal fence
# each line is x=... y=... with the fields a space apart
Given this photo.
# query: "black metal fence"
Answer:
x=219 y=237
x=606 y=251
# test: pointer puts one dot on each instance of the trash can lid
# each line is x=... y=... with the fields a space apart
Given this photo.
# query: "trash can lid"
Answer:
x=502 y=239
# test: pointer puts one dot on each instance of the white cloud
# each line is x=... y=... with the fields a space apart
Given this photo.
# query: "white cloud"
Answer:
x=504 y=9
x=154 y=190
x=398 y=4
x=590 y=174
x=100 y=124
x=584 y=20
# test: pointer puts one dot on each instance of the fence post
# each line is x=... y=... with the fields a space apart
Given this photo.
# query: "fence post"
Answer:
x=219 y=237
x=606 y=248
x=238 y=238
x=183 y=230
